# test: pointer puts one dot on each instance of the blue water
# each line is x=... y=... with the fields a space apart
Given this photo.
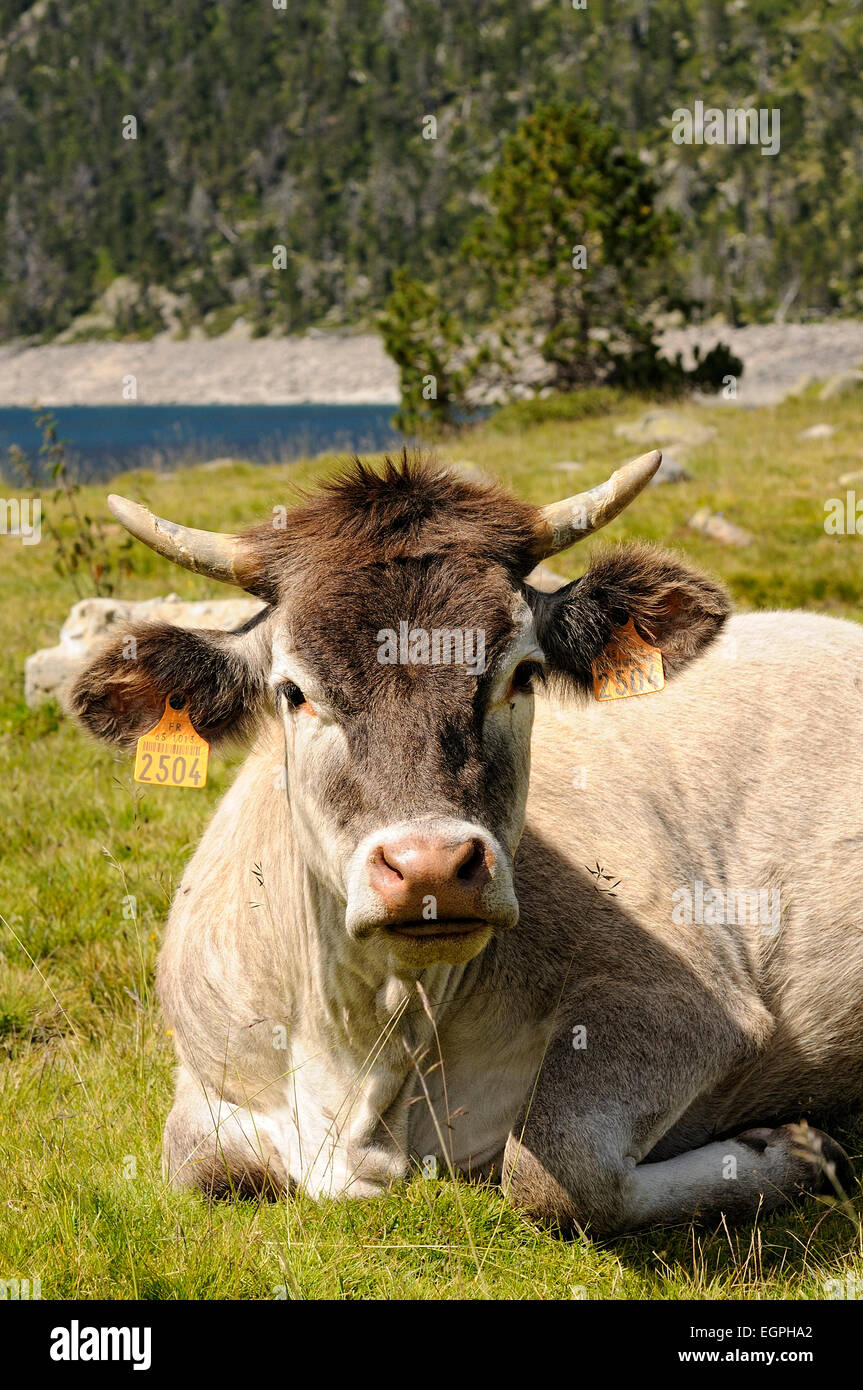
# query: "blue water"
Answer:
x=103 y=440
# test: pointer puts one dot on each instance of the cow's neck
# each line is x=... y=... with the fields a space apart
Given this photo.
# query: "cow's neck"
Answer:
x=364 y=1039
x=354 y=993
x=329 y=1036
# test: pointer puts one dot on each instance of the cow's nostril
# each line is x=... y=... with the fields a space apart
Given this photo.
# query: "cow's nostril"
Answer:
x=389 y=871
x=474 y=864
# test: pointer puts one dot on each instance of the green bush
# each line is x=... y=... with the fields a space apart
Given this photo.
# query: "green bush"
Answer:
x=588 y=403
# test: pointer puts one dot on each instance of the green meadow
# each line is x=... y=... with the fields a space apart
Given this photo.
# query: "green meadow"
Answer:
x=85 y=1076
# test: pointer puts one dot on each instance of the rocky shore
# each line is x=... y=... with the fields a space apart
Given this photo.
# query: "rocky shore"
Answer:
x=350 y=369
x=325 y=368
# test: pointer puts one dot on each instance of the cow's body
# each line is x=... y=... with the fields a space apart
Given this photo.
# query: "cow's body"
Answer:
x=394 y=941
x=600 y=1031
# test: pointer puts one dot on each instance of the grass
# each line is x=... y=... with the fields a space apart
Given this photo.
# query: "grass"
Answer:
x=88 y=864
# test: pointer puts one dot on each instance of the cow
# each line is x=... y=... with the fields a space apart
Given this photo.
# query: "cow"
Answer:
x=605 y=952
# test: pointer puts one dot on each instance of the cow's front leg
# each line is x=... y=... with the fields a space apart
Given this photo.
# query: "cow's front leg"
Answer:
x=231 y=1149
x=218 y=1147
x=593 y=1183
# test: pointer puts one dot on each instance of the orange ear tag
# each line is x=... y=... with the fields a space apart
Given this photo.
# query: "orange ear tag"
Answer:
x=172 y=754
x=628 y=666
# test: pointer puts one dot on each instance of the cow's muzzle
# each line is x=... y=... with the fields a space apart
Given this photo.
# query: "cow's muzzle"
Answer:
x=435 y=889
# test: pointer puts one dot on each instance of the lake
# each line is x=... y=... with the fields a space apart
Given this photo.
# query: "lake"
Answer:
x=105 y=440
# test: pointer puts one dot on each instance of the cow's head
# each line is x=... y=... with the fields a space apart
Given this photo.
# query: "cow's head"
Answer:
x=401 y=648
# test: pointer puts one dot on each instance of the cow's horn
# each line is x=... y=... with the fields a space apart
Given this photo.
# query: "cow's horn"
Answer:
x=576 y=517
x=213 y=553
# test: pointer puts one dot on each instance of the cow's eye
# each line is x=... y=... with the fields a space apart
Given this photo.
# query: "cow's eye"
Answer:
x=291 y=692
x=525 y=674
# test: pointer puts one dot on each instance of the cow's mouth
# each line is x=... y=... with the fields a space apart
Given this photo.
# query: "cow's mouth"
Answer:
x=439 y=930
x=446 y=940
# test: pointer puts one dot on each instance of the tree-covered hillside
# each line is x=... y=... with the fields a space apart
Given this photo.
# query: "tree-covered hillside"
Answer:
x=305 y=127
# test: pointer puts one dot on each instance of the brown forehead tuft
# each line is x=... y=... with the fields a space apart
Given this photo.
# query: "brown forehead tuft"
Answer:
x=337 y=620
x=409 y=509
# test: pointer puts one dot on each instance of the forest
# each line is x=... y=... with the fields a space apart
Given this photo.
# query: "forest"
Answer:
x=280 y=162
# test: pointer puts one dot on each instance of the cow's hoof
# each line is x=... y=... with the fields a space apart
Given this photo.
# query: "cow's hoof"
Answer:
x=814 y=1160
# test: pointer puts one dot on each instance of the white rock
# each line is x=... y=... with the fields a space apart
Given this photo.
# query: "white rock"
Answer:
x=671 y=470
x=821 y=431
x=546 y=580
x=714 y=525
x=92 y=620
x=657 y=428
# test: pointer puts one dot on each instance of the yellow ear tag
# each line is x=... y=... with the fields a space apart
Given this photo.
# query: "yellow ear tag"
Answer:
x=172 y=754
x=628 y=666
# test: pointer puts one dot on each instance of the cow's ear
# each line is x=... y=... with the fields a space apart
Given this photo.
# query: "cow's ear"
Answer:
x=673 y=607
x=121 y=694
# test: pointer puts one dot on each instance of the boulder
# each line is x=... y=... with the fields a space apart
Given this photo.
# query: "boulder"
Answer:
x=671 y=470
x=659 y=427
x=92 y=621
x=820 y=431
x=714 y=525
x=467 y=469
x=546 y=580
